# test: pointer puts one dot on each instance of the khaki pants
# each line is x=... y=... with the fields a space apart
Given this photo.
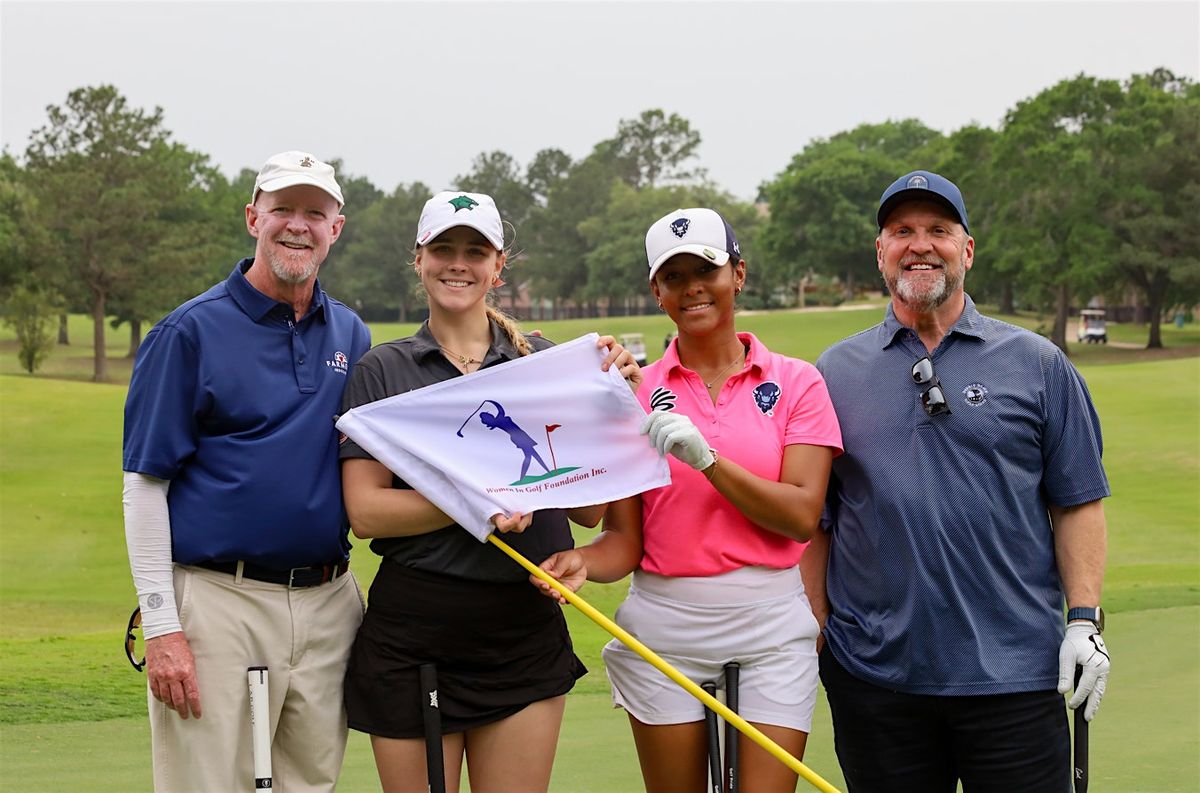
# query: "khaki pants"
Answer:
x=303 y=636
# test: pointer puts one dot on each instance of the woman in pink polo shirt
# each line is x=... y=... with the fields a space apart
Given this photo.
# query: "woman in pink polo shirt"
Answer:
x=715 y=554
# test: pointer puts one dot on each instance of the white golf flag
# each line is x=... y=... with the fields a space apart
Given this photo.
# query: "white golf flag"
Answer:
x=544 y=431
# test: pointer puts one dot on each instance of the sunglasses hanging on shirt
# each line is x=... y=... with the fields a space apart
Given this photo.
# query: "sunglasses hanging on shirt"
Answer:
x=933 y=399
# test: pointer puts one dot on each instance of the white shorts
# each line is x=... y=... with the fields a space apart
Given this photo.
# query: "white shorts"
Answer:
x=756 y=616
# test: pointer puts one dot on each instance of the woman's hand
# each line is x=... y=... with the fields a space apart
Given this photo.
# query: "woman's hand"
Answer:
x=566 y=566
x=622 y=359
x=516 y=522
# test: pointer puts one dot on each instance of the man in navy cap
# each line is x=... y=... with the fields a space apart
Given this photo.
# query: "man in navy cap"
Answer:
x=963 y=518
x=233 y=502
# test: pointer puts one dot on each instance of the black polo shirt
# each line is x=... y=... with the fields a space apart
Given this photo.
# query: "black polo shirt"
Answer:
x=398 y=367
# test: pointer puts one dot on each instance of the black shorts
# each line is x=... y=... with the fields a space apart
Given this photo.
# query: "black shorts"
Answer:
x=497 y=648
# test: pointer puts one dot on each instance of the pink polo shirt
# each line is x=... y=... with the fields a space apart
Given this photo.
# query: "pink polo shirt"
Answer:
x=689 y=528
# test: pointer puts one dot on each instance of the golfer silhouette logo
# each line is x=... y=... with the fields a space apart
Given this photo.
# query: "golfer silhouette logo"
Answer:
x=499 y=420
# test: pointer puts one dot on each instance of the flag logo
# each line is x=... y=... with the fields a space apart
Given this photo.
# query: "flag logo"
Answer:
x=497 y=419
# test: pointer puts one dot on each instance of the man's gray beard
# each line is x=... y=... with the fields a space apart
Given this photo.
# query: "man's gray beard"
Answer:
x=289 y=276
x=925 y=300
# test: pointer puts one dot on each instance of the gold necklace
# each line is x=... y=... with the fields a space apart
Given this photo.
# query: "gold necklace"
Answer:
x=712 y=382
x=463 y=360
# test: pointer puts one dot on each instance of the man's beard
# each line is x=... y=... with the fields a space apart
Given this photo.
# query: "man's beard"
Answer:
x=924 y=294
x=294 y=274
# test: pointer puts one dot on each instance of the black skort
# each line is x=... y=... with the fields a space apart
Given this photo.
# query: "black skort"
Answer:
x=497 y=648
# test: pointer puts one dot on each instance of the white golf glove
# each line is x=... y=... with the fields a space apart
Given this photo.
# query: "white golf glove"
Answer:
x=675 y=433
x=1083 y=646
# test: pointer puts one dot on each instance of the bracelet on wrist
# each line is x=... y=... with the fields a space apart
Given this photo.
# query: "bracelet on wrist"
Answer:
x=711 y=470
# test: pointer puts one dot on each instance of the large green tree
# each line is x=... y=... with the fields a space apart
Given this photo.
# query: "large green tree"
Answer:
x=1148 y=152
x=374 y=275
x=822 y=206
x=121 y=190
x=1048 y=230
x=648 y=151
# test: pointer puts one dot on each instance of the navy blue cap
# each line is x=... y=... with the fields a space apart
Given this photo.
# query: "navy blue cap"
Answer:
x=922 y=186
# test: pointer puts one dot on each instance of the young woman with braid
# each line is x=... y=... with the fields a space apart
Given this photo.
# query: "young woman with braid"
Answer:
x=503 y=656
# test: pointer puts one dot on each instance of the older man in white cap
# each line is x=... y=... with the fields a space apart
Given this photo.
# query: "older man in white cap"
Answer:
x=233 y=511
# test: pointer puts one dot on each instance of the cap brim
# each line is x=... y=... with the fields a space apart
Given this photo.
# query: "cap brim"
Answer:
x=917 y=194
x=291 y=180
x=431 y=233
x=722 y=257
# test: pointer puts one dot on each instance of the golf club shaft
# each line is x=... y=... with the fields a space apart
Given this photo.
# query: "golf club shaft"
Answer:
x=714 y=741
x=431 y=715
x=260 y=726
x=732 y=672
x=626 y=638
x=1080 y=770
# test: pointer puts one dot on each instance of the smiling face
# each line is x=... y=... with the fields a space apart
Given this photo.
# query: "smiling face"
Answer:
x=294 y=228
x=697 y=294
x=923 y=253
x=457 y=269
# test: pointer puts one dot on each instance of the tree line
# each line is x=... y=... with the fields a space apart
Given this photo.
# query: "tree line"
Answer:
x=1090 y=188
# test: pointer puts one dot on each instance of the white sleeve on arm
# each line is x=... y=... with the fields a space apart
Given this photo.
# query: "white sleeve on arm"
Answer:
x=148 y=537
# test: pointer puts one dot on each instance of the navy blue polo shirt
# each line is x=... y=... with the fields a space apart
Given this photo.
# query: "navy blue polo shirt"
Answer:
x=942 y=576
x=233 y=401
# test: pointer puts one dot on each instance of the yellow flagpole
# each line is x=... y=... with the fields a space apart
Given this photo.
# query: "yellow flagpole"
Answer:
x=743 y=726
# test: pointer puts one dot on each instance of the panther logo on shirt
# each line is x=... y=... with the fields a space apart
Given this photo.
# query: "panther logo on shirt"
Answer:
x=662 y=399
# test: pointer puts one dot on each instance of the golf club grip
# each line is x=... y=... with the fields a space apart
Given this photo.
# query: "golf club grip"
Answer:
x=1079 y=772
x=732 y=671
x=260 y=726
x=714 y=741
x=431 y=715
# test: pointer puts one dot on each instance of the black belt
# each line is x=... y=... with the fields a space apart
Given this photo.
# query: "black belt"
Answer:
x=313 y=575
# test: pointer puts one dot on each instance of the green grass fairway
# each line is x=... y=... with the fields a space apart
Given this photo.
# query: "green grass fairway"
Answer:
x=72 y=710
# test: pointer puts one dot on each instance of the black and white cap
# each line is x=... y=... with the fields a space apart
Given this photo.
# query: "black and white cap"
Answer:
x=702 y=232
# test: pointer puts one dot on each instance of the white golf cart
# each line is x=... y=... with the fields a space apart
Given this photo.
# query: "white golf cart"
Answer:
x=636 y=344
x=1092 y=327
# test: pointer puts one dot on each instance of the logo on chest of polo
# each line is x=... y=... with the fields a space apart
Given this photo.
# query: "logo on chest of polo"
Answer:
x=339 y=362
x=975 y=394
x=662 y=399
x=766 y=397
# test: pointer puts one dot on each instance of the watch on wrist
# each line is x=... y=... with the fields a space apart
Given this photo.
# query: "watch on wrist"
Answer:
x=1093 y=614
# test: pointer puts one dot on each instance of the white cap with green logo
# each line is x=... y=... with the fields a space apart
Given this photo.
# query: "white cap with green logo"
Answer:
x=449 y=209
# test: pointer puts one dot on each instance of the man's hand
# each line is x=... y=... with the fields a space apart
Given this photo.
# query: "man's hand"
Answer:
x=1083 y=646
x=675 y=433
x=570 y=570
x=171 y=670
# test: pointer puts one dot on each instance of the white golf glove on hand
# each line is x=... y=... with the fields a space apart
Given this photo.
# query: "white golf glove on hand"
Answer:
x=1083 y=646
x=675 y=433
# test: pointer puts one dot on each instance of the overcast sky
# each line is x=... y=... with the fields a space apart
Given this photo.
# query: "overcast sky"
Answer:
x=406 y=91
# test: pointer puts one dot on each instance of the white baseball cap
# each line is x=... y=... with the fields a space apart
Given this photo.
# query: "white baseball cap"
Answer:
x=449 y=209
x=291 y=168
x=702 y=232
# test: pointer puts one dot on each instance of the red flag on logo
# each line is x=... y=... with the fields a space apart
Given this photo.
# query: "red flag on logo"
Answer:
x=552 y=427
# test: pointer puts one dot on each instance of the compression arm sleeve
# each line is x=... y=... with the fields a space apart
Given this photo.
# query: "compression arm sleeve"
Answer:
x=148 y=537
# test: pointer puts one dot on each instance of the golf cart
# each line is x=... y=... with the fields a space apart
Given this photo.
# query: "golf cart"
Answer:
x=1092 y=327
x=636 y=344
